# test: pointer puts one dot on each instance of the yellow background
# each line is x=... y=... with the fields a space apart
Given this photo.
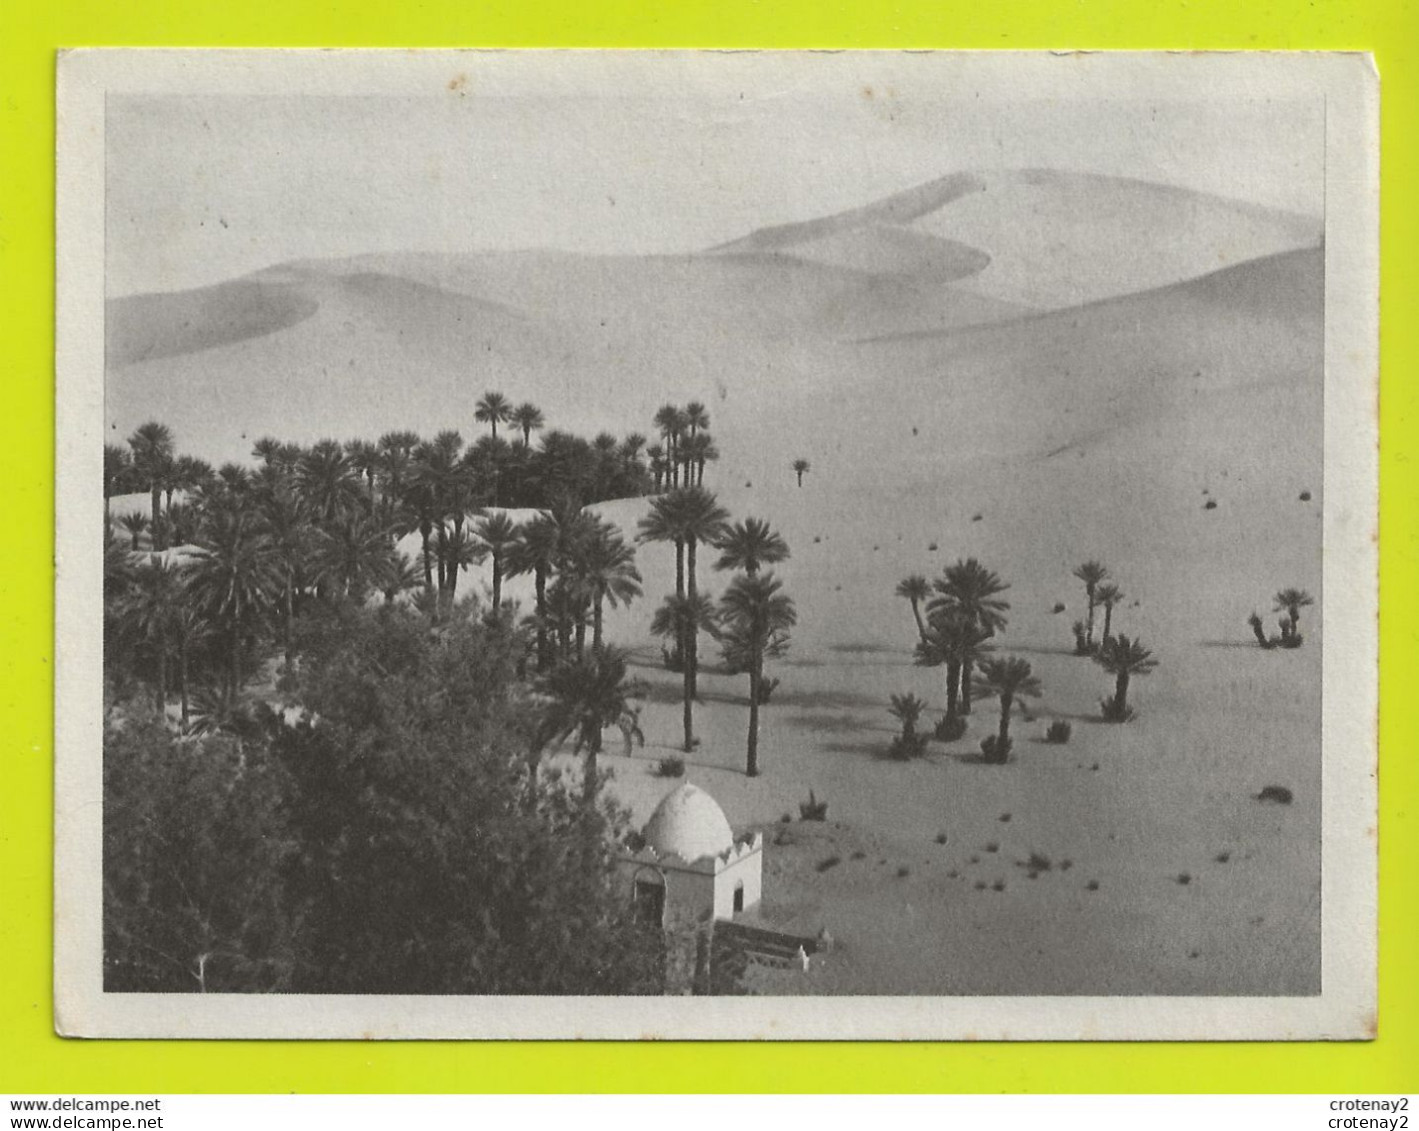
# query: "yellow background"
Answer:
x=32 y=1059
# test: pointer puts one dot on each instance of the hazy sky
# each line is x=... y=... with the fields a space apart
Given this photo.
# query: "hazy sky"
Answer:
x=203 y=188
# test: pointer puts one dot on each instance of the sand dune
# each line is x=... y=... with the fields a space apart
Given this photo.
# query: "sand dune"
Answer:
x=1058 y=239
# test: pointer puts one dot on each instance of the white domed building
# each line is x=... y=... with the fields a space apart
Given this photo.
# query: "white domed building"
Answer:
x=692 y=868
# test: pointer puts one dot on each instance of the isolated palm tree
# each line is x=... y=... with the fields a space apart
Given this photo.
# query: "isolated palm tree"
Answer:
x=134 y=525
x=498 y=534
x=907 y=709
x=528 y=417
x=1090 y=573
x=493 y=410
x=1291 y=602
x=1108 y=595
x=750 y=544
x=1123 y=658
x=755 y=617
x=1259 y=631
x=799 y=467
x=152 y=447
x=586 y=696
x=915 y=589
x=968 y=588
x=1008 y=679
x=678 y=618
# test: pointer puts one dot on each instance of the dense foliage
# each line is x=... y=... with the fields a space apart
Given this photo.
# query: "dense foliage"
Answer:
x=392 y=838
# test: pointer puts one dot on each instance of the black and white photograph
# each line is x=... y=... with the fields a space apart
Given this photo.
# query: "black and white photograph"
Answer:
x=725 y=545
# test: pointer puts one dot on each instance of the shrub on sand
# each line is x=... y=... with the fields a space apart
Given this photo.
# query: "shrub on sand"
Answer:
x=949 y=729
x=1058 y=732
x=813 y=809
x=995 y=750
x=672 y=766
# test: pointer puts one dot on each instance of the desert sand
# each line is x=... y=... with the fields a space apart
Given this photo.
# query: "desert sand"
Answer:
x=969 y=375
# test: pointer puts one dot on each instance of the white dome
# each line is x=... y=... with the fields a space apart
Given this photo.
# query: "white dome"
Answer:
x=688 y=823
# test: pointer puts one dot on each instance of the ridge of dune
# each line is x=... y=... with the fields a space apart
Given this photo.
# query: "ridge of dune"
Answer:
x=899 y=208
x=1280 y=285
x=1050 y=238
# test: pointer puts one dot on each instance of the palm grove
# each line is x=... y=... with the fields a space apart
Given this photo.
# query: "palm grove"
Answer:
x=324 y=763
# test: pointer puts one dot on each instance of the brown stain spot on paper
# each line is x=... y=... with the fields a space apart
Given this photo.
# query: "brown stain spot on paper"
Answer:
x=458 y=83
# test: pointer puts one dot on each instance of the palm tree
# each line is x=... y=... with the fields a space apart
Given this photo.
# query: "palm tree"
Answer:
x=915 y=590
x=528 y=417
x=656 y=454
x=1090 y=573
x=1008 y=679
x=536 y=552
x=1108 y=595
x=134 y=524
x=498 y=534
x=970 y=589
x=749 y=544
x=157 y=590
x=696 y=418
x=686 y=516
x=396 y=454
x=696 y=451
x=350 y=556
x=152 y=446
x=907 y=709
x=955 y=642
x=1292 y=601
x=234 y=580
x=1123 y=658
x=677 y=619
x=493 y=409
x=266 y=450
x=117 y=466
x=586 y=696
x=756 y=615
x=800 y=466
x=400 y=574
x=288 y=537
x=189 y=628
x=667 y=419
x=461 y=550
x=605 y=572
x=326 y=483
x=365 y=461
